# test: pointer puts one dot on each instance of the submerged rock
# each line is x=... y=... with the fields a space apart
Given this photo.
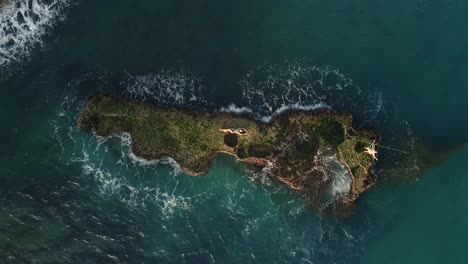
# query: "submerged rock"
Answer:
x=318 y=154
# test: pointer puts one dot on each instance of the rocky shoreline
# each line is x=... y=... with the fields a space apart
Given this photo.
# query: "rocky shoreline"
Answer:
x=318 y=154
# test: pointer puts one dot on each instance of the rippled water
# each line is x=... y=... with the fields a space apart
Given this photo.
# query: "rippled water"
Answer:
x=71 y=197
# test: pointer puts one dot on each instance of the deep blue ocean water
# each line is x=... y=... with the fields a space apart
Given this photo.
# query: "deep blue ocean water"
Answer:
x=70 y=197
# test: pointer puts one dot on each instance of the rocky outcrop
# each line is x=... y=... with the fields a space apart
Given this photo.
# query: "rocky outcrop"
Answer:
x=318 y=154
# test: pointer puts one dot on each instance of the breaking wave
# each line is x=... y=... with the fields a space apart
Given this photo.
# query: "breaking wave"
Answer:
x=232 y=108
x=109 y=165
x=23 y=24
x=269 y=90
x=273 y=89
x=113 y=178
x=108 y=168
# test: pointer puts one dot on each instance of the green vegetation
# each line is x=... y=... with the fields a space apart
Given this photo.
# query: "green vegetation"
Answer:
x=331 y=130
x=290 y=141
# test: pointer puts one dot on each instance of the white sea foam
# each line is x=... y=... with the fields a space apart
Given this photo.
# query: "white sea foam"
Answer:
x=264 y=176
x=273 y=89
x=126 y=140
x=23 y=23
x=293 y=87
x=116 y=176
x=328 y=162
x=167 y=88
x=122 y=177
x=296 y=106
x=113 y=179
x=116 y=184
x=232 y=108
x=341 y=184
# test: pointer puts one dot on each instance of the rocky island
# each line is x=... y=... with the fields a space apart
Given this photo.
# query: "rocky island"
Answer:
x=318 y=154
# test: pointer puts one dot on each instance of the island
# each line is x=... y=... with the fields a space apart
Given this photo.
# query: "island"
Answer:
x=316 y=153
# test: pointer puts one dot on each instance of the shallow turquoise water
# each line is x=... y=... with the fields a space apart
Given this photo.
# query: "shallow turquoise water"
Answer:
x=68 y=197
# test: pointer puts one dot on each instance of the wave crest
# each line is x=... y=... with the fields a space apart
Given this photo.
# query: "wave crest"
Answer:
x=273 y=89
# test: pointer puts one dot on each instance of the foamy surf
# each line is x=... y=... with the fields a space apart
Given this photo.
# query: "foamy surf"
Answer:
x=232 y=108
x=167 y=88
x=119 y=178
x=109 y=170
x=273 y=89
x=341 y=179
x=267 y=91
x=23 y=23
x=111 y=167
x=115 y=185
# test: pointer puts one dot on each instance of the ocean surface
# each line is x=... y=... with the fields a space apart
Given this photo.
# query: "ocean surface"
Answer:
x=67 y=196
